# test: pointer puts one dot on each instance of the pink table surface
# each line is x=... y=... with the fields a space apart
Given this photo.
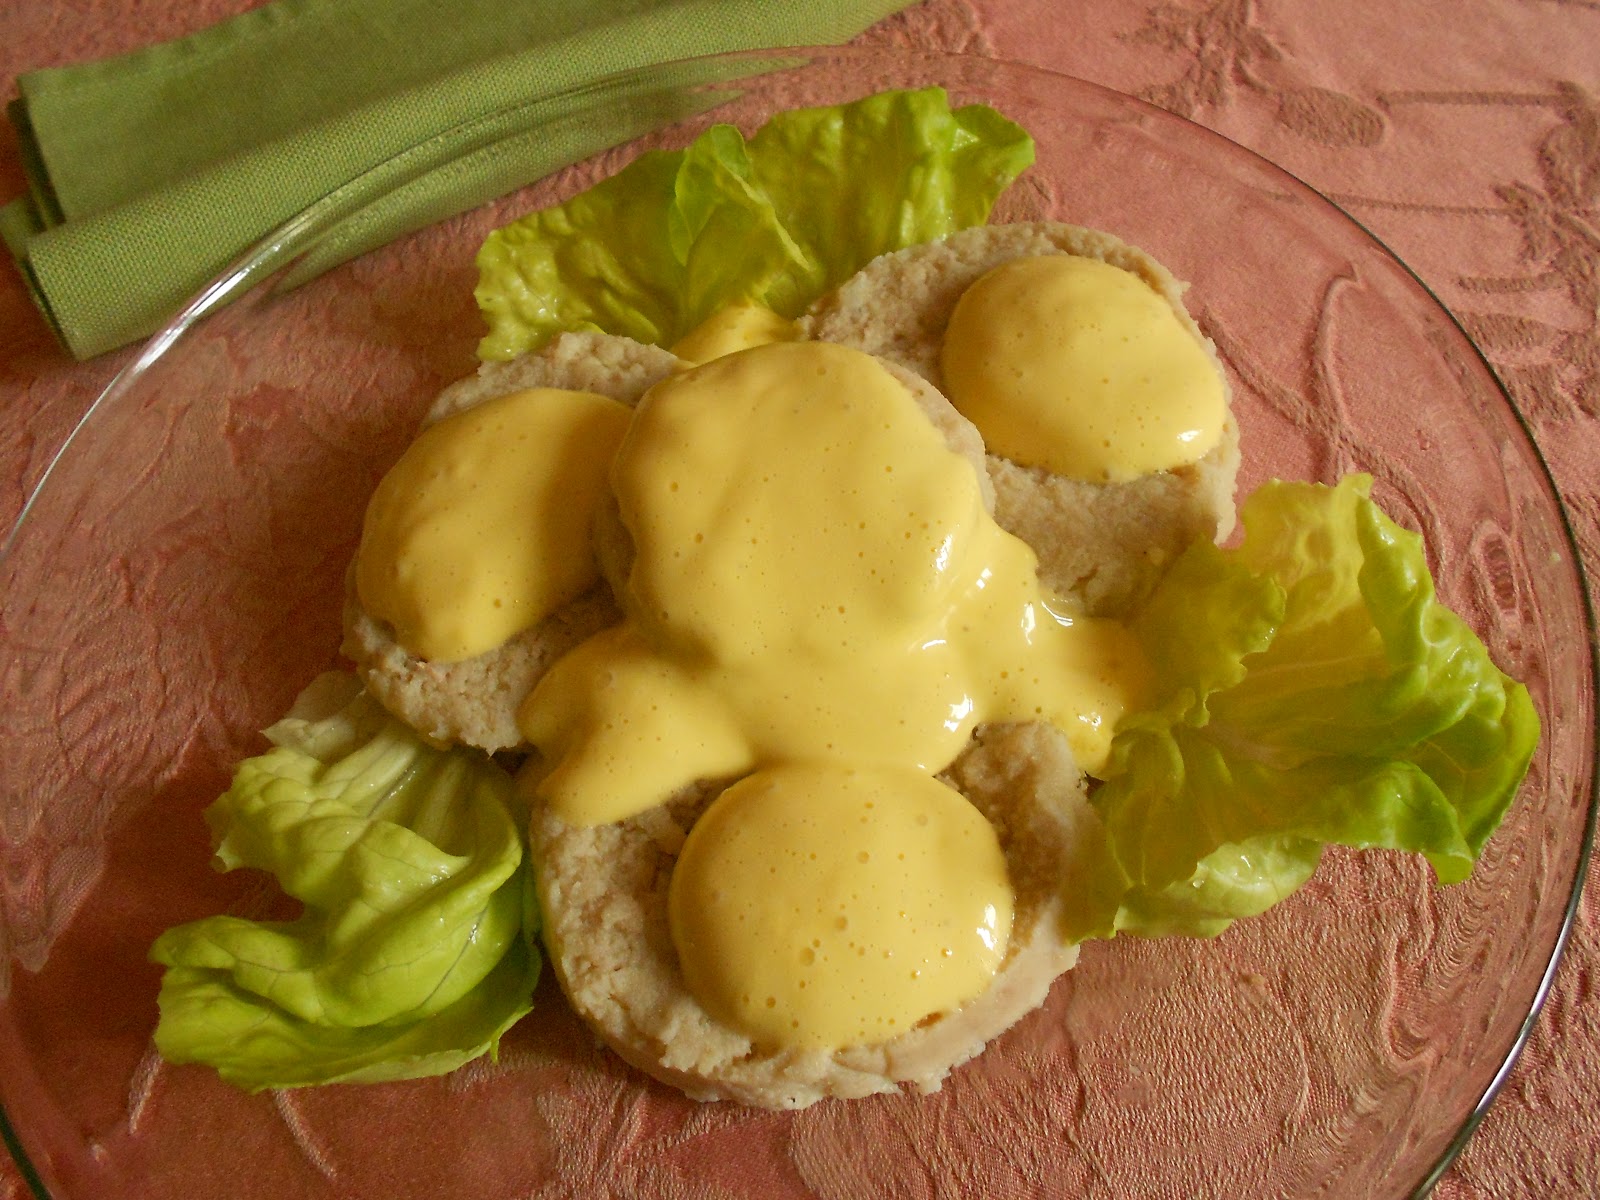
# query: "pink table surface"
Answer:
x=1463 y=133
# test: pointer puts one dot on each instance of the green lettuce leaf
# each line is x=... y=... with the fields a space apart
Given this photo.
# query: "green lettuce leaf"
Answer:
x=1315 y=692
x=414 y=951
x=676 y=235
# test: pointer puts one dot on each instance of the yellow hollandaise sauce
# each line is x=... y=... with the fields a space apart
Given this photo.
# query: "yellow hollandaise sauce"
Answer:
x=736 y=327
x=482 y=528
x=823 y=906
x=821 y=607
x=1082 y=368
x=816 y=580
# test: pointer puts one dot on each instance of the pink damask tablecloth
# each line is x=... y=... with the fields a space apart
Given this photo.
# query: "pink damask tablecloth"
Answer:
x=1464 y=133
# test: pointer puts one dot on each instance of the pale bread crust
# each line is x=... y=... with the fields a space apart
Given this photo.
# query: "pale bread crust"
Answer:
x=1101 y=546
x=603 y=892
x=475 y=701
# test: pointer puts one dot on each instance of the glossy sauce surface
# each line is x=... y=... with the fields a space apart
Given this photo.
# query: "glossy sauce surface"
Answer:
x=1082 y=368
x=483 y=527
x=729 y=330
x=816 y=579
x=821 y=608
x=824 y=906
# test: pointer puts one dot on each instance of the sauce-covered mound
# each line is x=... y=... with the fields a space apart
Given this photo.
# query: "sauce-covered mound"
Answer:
x=817 y=589
x=815 y=578
x=1103 y=541
x=483 y=528
x=894 y=904
x=1078 y=366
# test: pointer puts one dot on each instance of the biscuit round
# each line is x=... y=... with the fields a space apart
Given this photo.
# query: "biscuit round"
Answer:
x=475 y=701
x=1100 y=545
x=603 y=895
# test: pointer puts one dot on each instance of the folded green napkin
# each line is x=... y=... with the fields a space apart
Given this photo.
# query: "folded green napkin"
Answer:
x=150 y=172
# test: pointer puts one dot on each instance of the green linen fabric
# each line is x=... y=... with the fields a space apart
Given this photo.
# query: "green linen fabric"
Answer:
x=150 y=172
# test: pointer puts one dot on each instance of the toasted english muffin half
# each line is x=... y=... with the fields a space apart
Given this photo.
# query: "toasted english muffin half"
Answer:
x=1101 y=546
x=475 y=701
x=603 y=889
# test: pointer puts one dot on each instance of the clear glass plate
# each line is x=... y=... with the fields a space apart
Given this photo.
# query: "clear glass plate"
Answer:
x=179 y=576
